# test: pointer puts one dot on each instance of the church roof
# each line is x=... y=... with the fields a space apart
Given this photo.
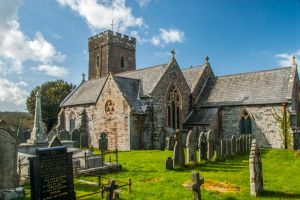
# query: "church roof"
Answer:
x=192 y=75
x=203 y=116
x=263 y=87
x=149 y=77
x=86 y=93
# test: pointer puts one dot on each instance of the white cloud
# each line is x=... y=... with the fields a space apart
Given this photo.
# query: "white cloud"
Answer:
x=52 y=70
x=285 y=59
x=167 y=36
x=57 y=36
x=99 y=14
x=143 y=3
x=12 y=92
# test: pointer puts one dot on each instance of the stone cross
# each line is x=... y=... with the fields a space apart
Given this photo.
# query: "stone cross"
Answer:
x=178 y=153
x=173 y=53
x=210 y=145
x=195 y=186
x=37 y=134
x=191 y=146
x=255 y=168
x=110 y=188
x=202 y=146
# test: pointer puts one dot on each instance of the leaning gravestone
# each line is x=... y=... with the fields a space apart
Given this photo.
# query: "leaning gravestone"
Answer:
x=103 y=142
x=75 y=136
x=51 y=174
x=255 y=168
x=210 y=145
x=197 y=181
x=169 y=163
x=191 y=146
x=64 y=135
x=178 y=153
x=202 y=146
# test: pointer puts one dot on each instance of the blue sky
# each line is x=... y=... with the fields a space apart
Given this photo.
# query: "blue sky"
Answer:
x=42 y=40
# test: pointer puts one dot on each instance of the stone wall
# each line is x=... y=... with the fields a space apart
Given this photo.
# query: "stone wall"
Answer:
x=264 y=126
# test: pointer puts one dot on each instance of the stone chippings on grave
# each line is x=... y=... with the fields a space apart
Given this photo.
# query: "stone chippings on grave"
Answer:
x=202 y=146
x=223 y=148
x=191 y=146
x=75 y=136
x=210 y=145
x=255 y=168
x=233 y=145
x=228 y=147
x=169 y=163
x=178 y=153
x=51 y=174
x=103 y=142
x=195 y=186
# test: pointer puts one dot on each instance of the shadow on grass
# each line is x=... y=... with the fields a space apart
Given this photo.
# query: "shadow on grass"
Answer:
x=273 y=194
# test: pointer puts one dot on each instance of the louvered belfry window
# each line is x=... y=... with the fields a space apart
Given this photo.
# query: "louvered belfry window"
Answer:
x=174 y=106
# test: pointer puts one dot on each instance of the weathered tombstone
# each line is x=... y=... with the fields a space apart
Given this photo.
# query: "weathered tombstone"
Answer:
x=202 y=146
x=233 y=145
x=228 y=147
x=223 y=148
x=75 y=136
x=55 y=142
x=110 y=188
x=84 y=140
x=191 y=146
x=210 y=145
x=169 y=163
x=51 y=134
x=238 y=146
x=255 y=168
x=64 y=135
x=169 y=143
x=178 y=153
x=197 y=181
x=51 y=174
x=103 y=142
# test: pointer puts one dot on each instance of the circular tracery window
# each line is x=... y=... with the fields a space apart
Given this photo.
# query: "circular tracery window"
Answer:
x=109 y=107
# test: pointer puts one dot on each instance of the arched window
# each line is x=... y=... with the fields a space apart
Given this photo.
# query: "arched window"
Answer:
x=174 y=108
x=72 y=122
x=245 y=123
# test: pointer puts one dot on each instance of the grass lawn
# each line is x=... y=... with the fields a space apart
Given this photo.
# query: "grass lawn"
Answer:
x=150 y=180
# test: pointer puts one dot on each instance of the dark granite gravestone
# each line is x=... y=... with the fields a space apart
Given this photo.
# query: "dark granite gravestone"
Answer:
x=51 y=174
x=169 y=163
x=84 y=140
x=202 y=146
x=64 y=135
x=75 y=136
x=103 y=142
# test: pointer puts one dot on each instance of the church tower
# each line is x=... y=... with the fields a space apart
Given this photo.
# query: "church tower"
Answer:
x=110 y=52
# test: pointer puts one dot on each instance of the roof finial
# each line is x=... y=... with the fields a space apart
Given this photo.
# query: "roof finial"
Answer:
x=206 y=59
x=83 y=77
x=294 y=60
x=173 y=53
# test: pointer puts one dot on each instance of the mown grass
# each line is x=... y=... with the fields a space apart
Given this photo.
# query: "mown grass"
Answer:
x=150 y=180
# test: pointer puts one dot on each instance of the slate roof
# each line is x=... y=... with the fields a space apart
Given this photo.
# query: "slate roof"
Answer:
x=86 y=93
x=192 y=75
x=149 y=77
x=203 y=116
x=263 y=87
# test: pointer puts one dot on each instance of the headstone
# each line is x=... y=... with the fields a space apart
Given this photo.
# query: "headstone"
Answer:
x=64 y=135
x=8 y=158
x=202 y=146
x=161 y=141
x=169 y=163
x=238 y=146
x=191 y=146
x=245 y=143
x=228 y=147
x=51 y=134
x=218 y=150
x=109 y=188
x=210 y=145
x=75 y=136
x=255 y=168
x=84 y=140
x=241 y=144
x=223 y=148
x=249 y=139
x=51 y=174
x=55 y=142
x=233 y=145
x=197 y=181
x=103 y=142
x=178 y=153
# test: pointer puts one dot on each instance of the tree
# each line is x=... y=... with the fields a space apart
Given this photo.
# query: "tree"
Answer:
x=52 y=94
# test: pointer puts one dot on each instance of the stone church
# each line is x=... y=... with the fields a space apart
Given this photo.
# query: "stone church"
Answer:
x=134 y=106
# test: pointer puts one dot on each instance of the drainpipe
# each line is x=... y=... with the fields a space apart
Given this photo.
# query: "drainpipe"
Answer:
x=284 y=123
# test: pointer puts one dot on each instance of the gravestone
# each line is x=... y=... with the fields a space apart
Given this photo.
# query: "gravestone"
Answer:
x=55 y=142
x=191 y=146
x=210 y=145
x=223 y=148
x=64 y=135
x=103 y=142
x=233 y=145
x=109 y=188
x=202 y=146
x=242 y=144
x=75 y=136
x=249 y=139
x=84 y=140
x=255 y=168
x=51 y=174
x=169 y=143
x=245 y=144
x=228 y=147
x=169 y=163
x=197 y=181
x=178 y=153
x=51 y=134
x=238 y=146
x=218 y=151
x=8 y=158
